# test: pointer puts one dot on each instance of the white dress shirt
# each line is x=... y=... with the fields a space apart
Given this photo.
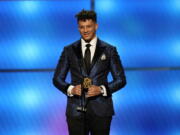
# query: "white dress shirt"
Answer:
x=92 y=47
x=93 y=43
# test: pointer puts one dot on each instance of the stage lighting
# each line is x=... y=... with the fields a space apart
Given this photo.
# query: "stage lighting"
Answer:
x=106 y=6
x=29 y=6
x=176 y=95
x=29 y=98
x=177 y=5
x=176 y=49
x=29 y=50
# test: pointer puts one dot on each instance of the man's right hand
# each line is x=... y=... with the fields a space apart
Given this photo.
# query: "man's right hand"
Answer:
x=76 y=90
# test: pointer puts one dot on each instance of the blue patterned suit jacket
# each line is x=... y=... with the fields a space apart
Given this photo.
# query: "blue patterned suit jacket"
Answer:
x=105 y=60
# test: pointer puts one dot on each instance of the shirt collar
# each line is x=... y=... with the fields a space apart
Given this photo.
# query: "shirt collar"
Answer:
x=92 y=42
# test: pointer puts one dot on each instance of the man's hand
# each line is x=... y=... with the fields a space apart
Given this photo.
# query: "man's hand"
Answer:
x=76 y=90
x=93 y=91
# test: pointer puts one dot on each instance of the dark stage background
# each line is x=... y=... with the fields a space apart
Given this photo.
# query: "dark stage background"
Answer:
x=147 y=36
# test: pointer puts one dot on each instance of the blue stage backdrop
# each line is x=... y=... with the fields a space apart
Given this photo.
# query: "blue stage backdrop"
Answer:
x=146 y=34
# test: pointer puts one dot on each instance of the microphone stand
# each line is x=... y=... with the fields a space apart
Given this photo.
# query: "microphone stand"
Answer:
x=85 y=84
x=84 y=88
x=82 y=107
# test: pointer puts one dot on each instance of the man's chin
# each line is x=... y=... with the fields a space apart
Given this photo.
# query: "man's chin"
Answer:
x=87 y=39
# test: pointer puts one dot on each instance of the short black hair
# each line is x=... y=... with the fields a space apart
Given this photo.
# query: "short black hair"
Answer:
x=85 y=15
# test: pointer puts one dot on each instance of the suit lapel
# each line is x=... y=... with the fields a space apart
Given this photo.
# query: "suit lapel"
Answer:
x=78 y=51
x=98 y=52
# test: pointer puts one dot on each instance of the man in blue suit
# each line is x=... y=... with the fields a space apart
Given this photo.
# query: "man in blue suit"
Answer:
x=93 y=59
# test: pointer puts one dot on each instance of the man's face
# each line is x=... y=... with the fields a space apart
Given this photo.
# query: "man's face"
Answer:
x=87 y=29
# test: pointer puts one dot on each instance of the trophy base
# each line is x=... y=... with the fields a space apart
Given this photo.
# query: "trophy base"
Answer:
x=81 y=109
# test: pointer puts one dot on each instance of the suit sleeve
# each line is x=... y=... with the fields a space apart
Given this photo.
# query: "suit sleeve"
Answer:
x=117 y=71
x=61 y=71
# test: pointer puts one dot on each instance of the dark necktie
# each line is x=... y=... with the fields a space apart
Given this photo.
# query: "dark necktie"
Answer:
x=87 y=58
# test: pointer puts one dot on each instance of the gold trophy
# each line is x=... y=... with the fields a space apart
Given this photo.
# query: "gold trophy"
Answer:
x=86 y=84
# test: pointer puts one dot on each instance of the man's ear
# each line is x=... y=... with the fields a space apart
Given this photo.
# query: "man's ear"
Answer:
x=96 y=26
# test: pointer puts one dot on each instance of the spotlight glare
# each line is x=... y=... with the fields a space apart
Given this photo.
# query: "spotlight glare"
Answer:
x=176 y=48
x=29 y=6
x=107 y=5
x=29 y=98
x=29 y=50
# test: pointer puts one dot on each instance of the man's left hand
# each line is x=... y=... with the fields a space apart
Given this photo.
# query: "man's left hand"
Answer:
x=93 y=91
